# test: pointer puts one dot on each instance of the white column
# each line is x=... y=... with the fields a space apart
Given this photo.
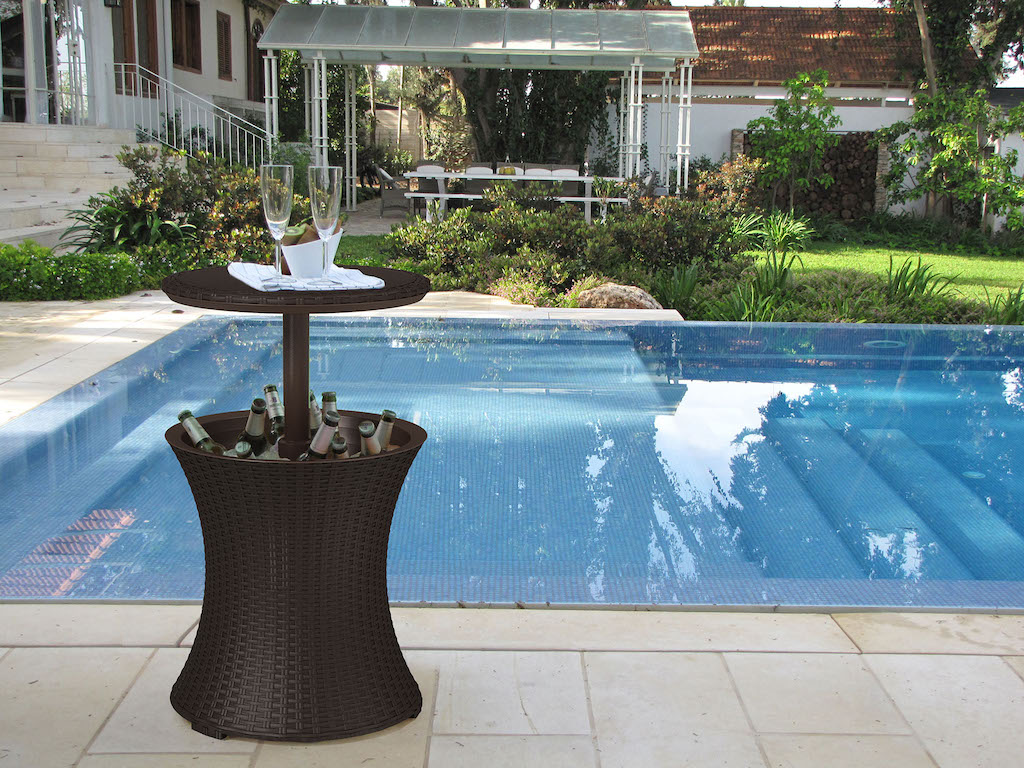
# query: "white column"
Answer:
x=307 y=90
x=268 y=98
x=683 y=129
x=638 y=133
x=275 y=103
x=37 y=107
x=631 y=121
x=622 y=124
x=663 y=143
x=351 y=143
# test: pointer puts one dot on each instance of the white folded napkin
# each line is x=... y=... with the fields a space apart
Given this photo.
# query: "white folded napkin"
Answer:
x=264 y=277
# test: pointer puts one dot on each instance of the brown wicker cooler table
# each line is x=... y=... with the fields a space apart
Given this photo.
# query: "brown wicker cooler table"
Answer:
x=295 y=641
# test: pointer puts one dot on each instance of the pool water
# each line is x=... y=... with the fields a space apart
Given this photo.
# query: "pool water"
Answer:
x=574 y=462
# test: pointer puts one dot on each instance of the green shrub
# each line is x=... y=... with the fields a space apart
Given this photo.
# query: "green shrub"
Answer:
x=674 y=288
x=1006 y=309
x=910 y=281
x=30 y=272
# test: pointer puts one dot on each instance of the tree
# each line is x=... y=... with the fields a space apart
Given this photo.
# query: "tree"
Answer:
x=946 y=151
x=967 y=42
x=793 y=138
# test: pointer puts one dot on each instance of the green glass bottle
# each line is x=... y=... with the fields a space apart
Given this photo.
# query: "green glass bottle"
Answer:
x=243 y=450
x=368 y=444
x=339 y=447
x=275 y=410
x=321 y=445
x=255 y=429
x=315 y=418
x=200 y=437
x=384 y=427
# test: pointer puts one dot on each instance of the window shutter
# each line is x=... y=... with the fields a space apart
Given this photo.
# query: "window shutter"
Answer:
x=223 y=46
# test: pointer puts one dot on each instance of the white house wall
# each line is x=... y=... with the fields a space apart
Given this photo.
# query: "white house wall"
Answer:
x=208 y=83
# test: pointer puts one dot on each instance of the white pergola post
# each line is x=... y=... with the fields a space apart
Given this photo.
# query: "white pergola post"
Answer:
x=683 y=128
x=318 y=110
x=351 y=148
x=307 y=104
x=663 y=143
x=622 y=123
x=271 y=97
x=635 y=119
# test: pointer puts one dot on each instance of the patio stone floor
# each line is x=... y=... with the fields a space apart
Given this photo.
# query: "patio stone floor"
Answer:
x=86 y=685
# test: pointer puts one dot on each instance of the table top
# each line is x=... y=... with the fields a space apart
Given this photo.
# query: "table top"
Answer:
x=214 y=288
x=527 y=176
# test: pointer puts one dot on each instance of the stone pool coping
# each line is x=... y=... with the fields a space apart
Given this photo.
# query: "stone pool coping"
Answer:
x=551 y=688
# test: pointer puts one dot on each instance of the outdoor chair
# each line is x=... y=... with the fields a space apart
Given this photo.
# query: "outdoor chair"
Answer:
x=477 y=186
x=531 y=167
x=517 y=168
x=392 y=191
x=569 y=188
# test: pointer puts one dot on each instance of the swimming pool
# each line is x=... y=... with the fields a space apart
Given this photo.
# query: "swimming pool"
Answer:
x=574 y=462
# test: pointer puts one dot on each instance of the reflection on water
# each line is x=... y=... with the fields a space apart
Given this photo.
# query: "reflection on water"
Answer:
x=574 y=462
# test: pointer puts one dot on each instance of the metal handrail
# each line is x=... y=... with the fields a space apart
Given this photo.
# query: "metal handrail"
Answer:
x=164 y=111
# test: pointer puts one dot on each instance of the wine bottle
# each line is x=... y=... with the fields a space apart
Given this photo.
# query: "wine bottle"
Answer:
x=200 y=437
x=384 y=427
x=321 y=445
x=369 y=446
x=275 y=410
x=314 y=415
x=255 y=429
x=243 y=449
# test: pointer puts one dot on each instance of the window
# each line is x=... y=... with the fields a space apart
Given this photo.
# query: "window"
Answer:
x=223 y=46
x=254 y=62
x=186 y=44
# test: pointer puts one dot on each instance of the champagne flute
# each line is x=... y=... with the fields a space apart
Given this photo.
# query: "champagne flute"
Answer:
x=276 y=187
x=325 y=204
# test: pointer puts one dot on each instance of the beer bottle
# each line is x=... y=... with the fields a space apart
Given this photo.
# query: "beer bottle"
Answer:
x=367 y=439
x=200 y=437
x=321 y=444
x=314 y=415
x=275 y=410
x=254 y=432
x=339 y=446
x=384 y=427
x=243 y=449
x=329 y=401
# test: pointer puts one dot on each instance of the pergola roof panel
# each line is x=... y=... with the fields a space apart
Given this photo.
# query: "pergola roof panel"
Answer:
x=478 y=37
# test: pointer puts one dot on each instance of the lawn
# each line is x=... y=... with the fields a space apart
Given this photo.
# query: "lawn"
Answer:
x=975 y=273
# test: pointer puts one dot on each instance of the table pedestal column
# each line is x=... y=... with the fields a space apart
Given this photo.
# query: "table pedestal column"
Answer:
x=296 y=386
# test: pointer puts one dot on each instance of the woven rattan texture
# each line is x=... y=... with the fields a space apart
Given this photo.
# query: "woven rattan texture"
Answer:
x=295 y=641
x=214 y=286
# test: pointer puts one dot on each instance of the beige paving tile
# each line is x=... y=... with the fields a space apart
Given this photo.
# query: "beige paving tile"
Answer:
x=542 y=629
x=511 y=752
x=812 y=693
x=145 y=721
x=189 y=640
x=667 y=710
x=401 y=746
x=1017 y=662
x=165 y=761
x=510 y=693
x=54 y=699
x=77 y=624
x=834 y=751
x=934 y=632
x=966 y=709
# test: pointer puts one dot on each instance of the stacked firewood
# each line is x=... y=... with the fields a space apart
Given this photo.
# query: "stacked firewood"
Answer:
x=852 y=164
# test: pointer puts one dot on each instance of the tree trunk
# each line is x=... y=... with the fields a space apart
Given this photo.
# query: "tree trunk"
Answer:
x=927 y=47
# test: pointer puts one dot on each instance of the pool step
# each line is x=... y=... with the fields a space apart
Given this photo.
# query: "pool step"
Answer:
x=877 y=525
x=976 y=533
x=782 y=526
x=997 y=485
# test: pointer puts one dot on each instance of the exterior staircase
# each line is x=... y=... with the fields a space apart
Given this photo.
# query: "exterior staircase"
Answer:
x=47 y=170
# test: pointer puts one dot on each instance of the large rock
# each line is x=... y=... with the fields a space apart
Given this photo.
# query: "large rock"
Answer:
x=615 y=296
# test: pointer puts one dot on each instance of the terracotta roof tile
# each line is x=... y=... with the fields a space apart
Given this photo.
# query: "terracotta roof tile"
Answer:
x=855 y=45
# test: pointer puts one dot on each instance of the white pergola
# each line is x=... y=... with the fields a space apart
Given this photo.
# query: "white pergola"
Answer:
x=637 y=43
